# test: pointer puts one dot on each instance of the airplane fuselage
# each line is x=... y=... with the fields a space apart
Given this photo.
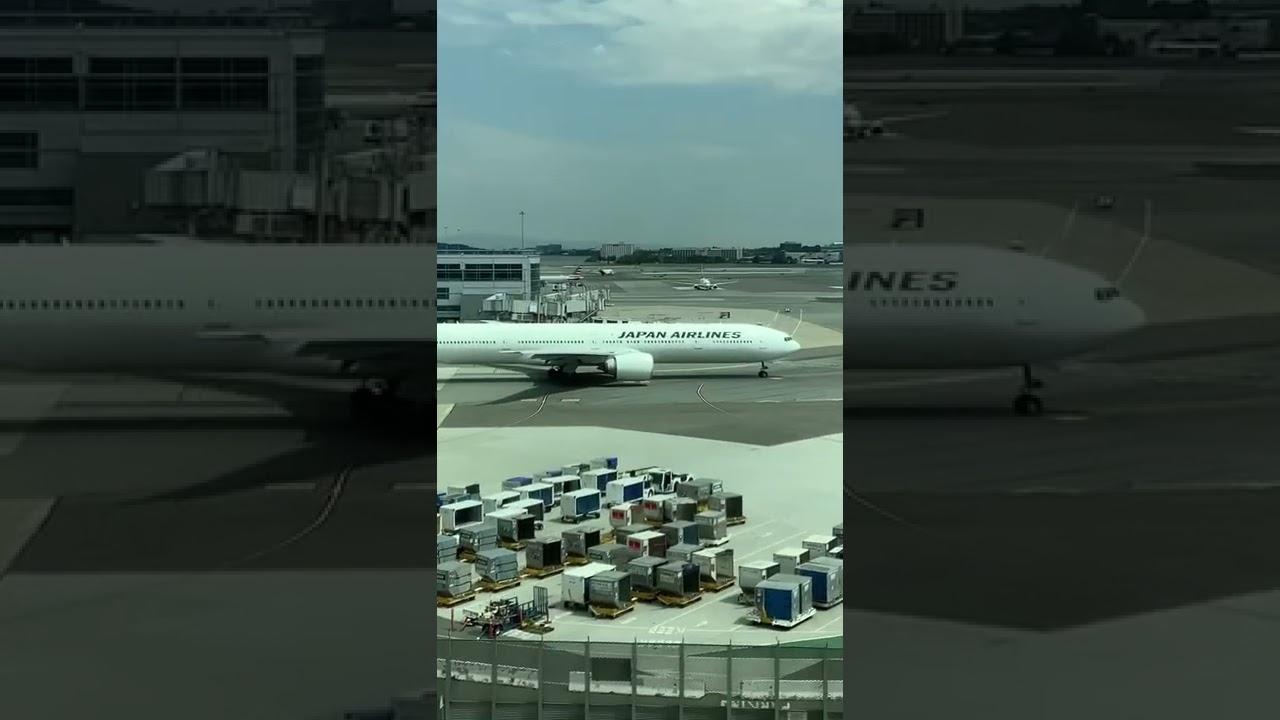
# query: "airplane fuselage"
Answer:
x=153 y=308
x=957 y=307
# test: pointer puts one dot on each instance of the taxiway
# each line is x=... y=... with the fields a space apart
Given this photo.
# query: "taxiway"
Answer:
x=1127 y=519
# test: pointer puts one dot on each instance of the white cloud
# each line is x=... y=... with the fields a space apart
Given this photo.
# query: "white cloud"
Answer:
x=790 y=45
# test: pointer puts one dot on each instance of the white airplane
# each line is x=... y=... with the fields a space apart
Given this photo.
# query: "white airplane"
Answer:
x=574 y=276
x=945 y=307
x=625 y=351
x=704 y=284
x=357 y=311
x=606 y=271
x=859 y=127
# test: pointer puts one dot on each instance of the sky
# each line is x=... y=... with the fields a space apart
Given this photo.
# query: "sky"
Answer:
x=664 y=123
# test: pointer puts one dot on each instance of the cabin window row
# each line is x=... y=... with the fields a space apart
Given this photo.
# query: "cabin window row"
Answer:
x=969 y=302
x=108 y=304
x=360 y=302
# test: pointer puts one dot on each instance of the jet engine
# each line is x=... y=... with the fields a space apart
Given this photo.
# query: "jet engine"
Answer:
x=631 y=366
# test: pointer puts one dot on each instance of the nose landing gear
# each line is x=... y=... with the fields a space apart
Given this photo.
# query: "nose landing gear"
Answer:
x=764 y=370
x=1028 y=403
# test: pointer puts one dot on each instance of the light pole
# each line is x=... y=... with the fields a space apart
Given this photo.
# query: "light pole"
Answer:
x=522 y=231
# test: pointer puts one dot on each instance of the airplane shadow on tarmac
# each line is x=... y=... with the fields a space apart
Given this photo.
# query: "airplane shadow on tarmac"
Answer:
x=333 y=440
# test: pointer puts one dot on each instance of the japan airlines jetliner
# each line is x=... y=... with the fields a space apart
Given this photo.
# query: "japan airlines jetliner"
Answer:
x=625 y=351
x=365 y=311
x=964 y=307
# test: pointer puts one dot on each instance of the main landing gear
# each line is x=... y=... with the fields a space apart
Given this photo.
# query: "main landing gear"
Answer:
x=764 y=370
x=378 y=400
x=561 y=373
x=1028 y=403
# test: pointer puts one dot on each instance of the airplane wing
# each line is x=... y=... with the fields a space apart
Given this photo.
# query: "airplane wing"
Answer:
x=683 y=287
x=366 y=348
x=556 y=356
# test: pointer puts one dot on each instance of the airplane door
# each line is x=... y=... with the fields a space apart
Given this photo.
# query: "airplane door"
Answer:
x=1025 y=313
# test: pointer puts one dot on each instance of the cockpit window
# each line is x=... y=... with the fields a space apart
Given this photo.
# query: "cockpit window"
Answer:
x=786 y=339
x=1106 y=294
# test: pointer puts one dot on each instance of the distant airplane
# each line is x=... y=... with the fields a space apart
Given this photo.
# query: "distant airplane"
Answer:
x=958 y=307
x=606 y=271
x=859 y=127
x=704 y=284
x=575 y=276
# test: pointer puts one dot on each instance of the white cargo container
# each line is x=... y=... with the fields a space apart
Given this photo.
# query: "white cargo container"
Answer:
x=626 y=490
x=575 y=588
x=460 y=514
x=499 y=500
x=491 y=518
x=621 y=516
x=562 y=484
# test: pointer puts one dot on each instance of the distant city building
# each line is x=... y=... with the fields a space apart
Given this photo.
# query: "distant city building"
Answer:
x=1164 y=37
x=550 y=249
x=872 y=26
x=713 y=253
x=613 y=251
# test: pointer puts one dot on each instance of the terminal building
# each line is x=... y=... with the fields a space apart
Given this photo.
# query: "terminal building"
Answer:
x=117 y=125
x=504 y=285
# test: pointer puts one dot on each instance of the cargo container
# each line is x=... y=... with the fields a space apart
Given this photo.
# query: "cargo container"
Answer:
x=621 y=516
x=491 y=518
x=575 y=468
x=497 y=565
x=682 y=553
x=679 y=508
x=653 y=508
x=446 y=549
x=681 y=532
x=715 y=565
x=575 y=587
x=729 y=503
x=699 y=490
x=459 y=490
x=623 y=533
x=611 y=588
x=713 y=526
x=498 y=500
x=837 y=552
x=539 y=491
x=440 y=500
x=516 y=529
x=474 y=538
x=533 y=506
x=644 y=573
x=579 y=504
x=679 y=579
x=750 y=574
x=455 y=516
x=598 y=478
x=838 y=531
x=453 y=579
x=625 y=490
x=789 y=559
x=544 y=553
x=579 y=540
x=648 y=543
x=516 y=483
x=613 y=554
x=609 y=462
x=828 y=583
x=784 y=600
x=563 y=484
x=819 y=545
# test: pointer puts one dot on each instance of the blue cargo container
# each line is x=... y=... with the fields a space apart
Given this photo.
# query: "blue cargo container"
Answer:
x=516 y=483
x=439 y=500
x=784 y=600
x=828 y=582
x=579 y=504
x=539 y=491
x=599 y=478
x=626 y=490
x=611 y=463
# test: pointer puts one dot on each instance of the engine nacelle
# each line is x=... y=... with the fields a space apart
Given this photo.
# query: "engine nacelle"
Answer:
x=633 y=367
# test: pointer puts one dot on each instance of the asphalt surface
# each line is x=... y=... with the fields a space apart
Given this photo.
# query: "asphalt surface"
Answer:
x=1148 y=484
